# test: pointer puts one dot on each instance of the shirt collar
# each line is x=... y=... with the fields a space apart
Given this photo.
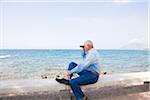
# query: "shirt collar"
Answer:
x=90 y=50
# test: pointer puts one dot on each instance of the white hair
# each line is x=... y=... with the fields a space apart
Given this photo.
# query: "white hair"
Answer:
x=89 y=42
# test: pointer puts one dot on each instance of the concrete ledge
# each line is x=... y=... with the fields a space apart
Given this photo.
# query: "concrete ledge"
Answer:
x=111 y=91
x=49 y=89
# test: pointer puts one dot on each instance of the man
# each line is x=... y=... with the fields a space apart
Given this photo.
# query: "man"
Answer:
x=88 y=71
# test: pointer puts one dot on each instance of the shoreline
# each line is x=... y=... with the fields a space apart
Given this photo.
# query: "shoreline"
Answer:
x=54 y=74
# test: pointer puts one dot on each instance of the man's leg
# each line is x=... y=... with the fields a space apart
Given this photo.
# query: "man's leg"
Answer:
x=65 y=79
x=84 y=79
x=70 y=67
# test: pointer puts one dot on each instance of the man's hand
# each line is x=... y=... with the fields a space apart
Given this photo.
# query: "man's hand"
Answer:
x=69 y=73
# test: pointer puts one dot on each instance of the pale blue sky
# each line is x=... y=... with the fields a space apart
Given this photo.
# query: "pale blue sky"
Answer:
x=66 y=25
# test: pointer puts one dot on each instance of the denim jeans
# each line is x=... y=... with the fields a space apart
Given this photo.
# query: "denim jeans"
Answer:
x=85 y=78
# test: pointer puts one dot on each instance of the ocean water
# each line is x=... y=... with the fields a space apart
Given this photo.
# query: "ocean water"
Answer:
x=30 y=63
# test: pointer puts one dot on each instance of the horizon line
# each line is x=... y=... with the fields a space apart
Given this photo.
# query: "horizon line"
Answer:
x=65 y=49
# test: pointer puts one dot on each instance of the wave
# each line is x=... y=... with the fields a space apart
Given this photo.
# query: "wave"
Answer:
x=6 y=56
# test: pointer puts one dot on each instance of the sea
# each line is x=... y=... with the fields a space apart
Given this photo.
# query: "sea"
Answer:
x=29 y=63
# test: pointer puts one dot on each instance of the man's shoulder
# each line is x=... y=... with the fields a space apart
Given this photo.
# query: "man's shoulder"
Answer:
x=95 y=51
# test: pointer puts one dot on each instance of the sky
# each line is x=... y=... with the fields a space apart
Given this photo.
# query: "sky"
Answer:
x=65 y=24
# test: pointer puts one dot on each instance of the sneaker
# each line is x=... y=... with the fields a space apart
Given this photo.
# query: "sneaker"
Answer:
x=85 y=98
x=62 y=81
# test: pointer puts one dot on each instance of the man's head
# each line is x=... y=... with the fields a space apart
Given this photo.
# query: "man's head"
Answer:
x=87 y=45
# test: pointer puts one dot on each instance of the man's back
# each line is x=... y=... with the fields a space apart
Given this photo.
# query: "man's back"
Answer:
x=94 y=58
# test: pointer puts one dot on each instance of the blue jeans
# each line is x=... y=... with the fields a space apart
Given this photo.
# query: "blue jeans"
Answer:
x=85 y=78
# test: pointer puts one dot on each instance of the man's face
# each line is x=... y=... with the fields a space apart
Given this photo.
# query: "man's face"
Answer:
x=87 y=47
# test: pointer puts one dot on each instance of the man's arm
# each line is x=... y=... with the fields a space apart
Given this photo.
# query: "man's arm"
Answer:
x=86 y=63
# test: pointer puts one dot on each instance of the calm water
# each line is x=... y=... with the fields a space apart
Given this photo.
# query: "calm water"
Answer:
x=29 y=63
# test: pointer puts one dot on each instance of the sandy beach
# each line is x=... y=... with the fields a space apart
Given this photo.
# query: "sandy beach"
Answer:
x=136 y=96
x=129 y=86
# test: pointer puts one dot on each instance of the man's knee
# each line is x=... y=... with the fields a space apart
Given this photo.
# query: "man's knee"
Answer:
x=72 y=65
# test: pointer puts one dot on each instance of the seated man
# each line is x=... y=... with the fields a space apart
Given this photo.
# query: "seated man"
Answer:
x=88 y=71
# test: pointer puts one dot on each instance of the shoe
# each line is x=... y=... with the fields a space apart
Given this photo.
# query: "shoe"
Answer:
x=85 y=98
x=62 y=81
